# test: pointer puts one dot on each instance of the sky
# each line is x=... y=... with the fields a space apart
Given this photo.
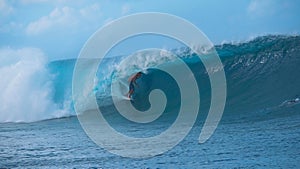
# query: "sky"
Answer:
x=60 y=28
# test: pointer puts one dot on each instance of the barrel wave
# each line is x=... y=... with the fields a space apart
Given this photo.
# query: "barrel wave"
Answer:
x=262 y=79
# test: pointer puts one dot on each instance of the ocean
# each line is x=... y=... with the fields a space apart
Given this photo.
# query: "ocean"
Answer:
x=260 y=127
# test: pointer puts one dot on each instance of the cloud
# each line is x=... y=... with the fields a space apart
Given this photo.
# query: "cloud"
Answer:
x=5 y=8
x=58 y=17
x=90 y=12
x=65 y=17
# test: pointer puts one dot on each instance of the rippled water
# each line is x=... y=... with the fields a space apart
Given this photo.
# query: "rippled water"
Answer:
x=267 y=142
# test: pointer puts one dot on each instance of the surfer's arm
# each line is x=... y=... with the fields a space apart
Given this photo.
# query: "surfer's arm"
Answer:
x=131 y=78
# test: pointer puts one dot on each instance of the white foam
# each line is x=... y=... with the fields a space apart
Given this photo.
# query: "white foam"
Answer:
x=26 y=87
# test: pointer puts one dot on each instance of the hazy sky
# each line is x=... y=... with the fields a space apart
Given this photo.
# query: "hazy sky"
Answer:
x=59 y=28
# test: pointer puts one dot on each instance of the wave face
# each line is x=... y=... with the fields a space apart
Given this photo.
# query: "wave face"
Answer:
x=262 y=74
x=262 y=77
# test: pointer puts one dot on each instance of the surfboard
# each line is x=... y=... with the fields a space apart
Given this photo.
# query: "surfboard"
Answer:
x=126 y=98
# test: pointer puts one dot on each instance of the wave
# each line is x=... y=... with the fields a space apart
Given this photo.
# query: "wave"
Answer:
x=262 y=74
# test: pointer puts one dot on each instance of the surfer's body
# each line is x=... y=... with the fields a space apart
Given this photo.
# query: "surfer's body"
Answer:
x=132 y=83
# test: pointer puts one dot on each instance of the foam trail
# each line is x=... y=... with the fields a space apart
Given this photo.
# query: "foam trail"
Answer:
x=26 y=87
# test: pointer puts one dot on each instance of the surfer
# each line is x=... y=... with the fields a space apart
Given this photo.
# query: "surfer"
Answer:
x=296 y=100
x=132 y=83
